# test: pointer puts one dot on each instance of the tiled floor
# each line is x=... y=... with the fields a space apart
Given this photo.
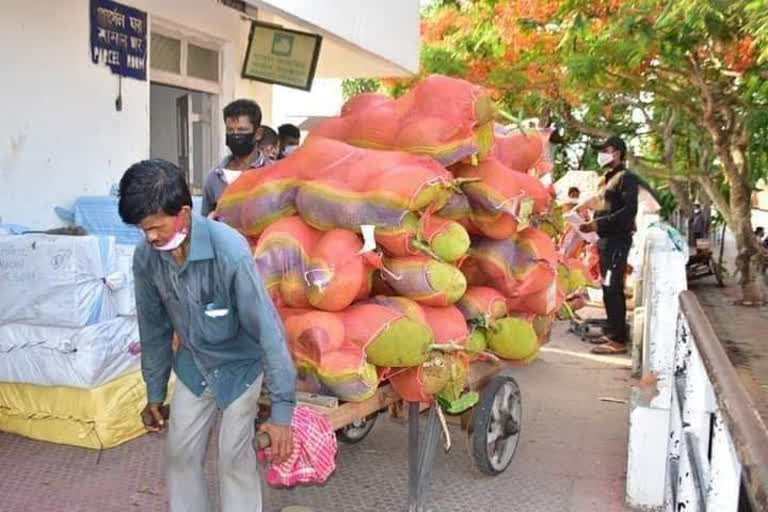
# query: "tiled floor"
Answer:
x=571 y=457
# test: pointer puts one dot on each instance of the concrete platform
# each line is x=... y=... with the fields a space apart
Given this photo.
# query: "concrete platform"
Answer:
x=571 y=457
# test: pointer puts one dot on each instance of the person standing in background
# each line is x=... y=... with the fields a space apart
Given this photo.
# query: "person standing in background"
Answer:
x=699 y=224
x=614 y=222
x=242 y=119
x=290 y=138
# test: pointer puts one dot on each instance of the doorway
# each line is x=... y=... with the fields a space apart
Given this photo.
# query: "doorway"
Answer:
x=181 y=130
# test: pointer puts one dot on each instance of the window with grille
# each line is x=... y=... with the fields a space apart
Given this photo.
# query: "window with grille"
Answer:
x=187 y=59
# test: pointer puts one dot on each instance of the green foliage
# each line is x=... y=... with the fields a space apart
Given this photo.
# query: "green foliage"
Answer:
x=353 y=86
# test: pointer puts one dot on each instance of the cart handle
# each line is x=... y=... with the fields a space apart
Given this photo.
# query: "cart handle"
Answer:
x=262 y=440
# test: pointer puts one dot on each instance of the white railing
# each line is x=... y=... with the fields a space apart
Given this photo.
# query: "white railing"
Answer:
x=703 y=470
x=696 y=441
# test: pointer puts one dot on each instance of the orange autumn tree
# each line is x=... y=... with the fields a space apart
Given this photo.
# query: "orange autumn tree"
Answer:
x=690 y=66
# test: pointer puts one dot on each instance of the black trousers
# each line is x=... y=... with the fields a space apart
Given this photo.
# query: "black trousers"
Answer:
x=613 y=265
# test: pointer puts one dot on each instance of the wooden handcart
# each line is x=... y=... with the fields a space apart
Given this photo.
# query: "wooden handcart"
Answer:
x=493 y=425
x=701 y=263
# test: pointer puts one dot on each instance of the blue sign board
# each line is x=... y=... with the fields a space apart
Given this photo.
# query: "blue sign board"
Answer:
x=119 y=38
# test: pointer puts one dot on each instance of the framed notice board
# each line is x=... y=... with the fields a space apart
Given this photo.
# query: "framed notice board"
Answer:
x=281 y=56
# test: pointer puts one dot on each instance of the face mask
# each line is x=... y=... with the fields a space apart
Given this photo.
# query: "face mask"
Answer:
x=230 y=176
x=604 y=159
x=177 y=239
x=287 y=150
x=241 y=144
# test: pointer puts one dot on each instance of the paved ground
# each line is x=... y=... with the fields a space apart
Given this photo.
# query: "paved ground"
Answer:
x=571 y=458
x=742 y=332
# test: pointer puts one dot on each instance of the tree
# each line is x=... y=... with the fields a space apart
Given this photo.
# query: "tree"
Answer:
x=685 y=79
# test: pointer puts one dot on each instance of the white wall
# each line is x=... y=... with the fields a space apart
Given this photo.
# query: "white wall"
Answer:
x=387 y=29
x=60 y=135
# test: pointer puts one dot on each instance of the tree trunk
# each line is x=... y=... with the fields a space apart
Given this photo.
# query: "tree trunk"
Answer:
x=748 y=261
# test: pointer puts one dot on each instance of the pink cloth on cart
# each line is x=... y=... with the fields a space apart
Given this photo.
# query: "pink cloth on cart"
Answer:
x=314 y=452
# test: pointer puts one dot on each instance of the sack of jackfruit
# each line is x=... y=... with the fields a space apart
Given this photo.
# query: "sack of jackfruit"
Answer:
x=445 y=118
x=425 y=280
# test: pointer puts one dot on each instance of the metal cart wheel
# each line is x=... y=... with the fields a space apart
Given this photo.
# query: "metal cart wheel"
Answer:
x=496 y=425
x=357 y=430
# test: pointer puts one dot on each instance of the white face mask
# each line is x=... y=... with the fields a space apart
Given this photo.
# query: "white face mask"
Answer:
x=231 y=176
x=287 y=150
x=176 y=240
x=604 y=159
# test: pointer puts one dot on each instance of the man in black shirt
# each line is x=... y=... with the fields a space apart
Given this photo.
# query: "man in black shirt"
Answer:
x=615 y=224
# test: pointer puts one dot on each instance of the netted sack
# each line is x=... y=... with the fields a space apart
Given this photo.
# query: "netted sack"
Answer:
x=517 y=266
x=457 y=207
x=448 y=325
x=389 y=337
x=311 y=334
x=283 y=248
x=321 y=354
x=542 y=302
x=441 y=238
x=347 y=374
x=573 y=276
x=502 y=200
x=525 y=151
x=364 y=101
x=293 y=289
x=347 y=200
x=440 y=373
x=482 y=304
x=445 y=118
x=259 y=197
x=336 y=271
x=514 y=338
x=425 y=280
x=543 y=327
x=408 y=307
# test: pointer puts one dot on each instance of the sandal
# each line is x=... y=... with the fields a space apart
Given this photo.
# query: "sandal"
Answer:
x=600 y=340
x=611 y=348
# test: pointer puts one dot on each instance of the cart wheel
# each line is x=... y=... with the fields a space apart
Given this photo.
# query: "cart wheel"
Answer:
x=496 y=424
x=717 y=270
x=357 y=430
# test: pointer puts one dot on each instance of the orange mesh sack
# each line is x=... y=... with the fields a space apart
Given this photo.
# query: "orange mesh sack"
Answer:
x=259 y=197
x=440 y=371
x=317 y=345
x=445 y=118
x=336 y=272
x=528 y=152
x=347 y=374
x=501 y=199
x=425 y=280
x=284 y=249
x=408 y=307
x=542 y=302
x=364 y=101
x=388 y=336
x=482 y=305
x=543 y=327
x=441 y=238
x=517 y=266
x=373 y=187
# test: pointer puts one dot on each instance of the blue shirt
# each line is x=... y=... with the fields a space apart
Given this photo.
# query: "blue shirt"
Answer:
x=229 y=329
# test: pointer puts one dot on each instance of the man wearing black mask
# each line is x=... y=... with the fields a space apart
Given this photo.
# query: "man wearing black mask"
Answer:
x=242 y=119
x=615 y=224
